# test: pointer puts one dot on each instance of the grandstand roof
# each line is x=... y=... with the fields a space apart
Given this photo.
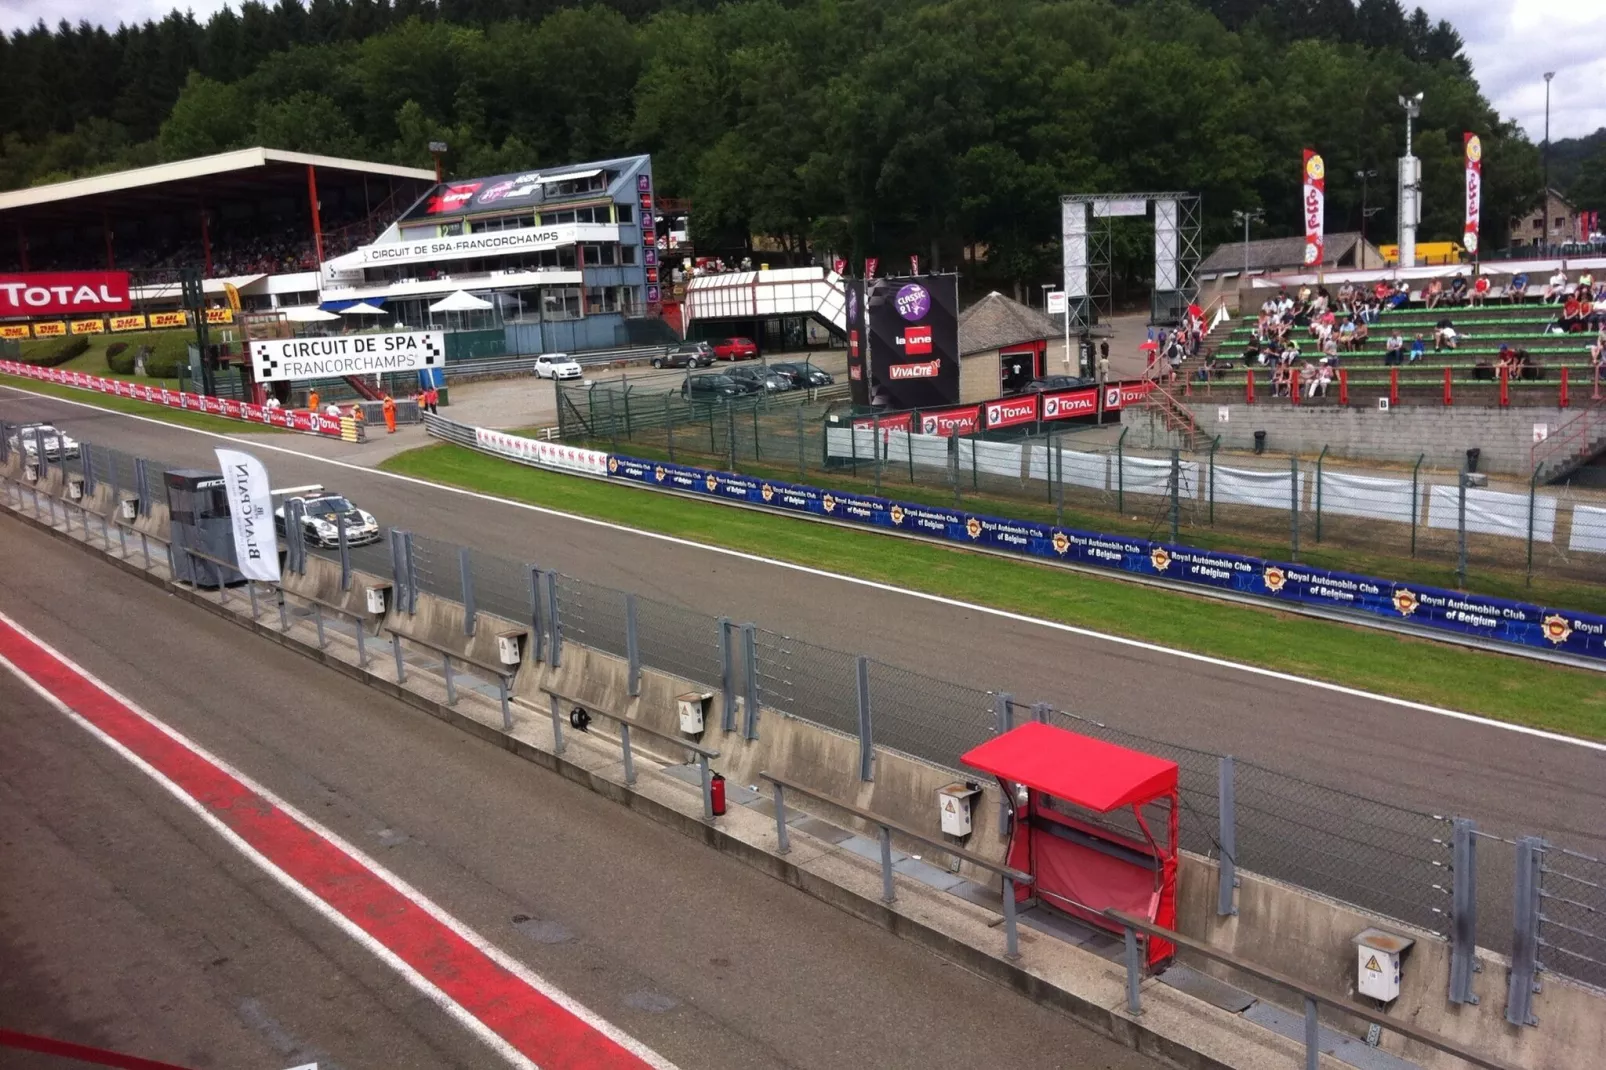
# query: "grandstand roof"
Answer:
x=246 y=172
x=1279 y=254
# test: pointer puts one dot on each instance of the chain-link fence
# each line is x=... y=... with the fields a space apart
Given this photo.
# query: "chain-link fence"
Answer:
x=1381 y=857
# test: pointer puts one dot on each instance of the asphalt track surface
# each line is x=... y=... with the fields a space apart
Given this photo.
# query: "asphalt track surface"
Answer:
x=127 y=923
x=1510 y=782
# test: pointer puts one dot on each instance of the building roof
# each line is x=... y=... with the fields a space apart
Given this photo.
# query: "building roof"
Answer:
x=530 y=188
x=996 y=322
x=1076 y=768
x=244 y=171
x=1279 y=254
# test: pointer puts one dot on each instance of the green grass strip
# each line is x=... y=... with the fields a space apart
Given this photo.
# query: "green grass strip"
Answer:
x=182 y=417
x=1508 y=688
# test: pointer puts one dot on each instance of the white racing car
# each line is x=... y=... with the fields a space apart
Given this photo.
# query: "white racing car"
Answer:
x=56 y=444
x=322 y=514
x=557 y=366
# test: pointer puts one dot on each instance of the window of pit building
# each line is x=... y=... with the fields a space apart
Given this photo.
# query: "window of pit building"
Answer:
x=560 y=302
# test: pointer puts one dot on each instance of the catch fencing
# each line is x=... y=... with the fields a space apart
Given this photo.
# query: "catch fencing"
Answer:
x=1396 y=861
x=1304 y=508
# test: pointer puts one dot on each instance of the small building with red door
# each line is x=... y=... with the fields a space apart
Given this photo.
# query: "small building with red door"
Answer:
x=1003 y=345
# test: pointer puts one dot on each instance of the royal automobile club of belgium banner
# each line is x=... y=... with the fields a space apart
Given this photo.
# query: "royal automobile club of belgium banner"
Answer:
x=1523 y=624
x=914 y=341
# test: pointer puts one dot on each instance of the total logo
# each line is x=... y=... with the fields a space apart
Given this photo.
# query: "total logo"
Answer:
x=1059 y=406
x=1013 y=411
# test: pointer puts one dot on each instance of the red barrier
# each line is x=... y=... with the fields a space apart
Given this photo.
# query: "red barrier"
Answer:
x=83 y=1053
x=1293 y=385
x=1563 y=400
x=1394 y=387
x=1505 y=386
x=1343 y=386
x=1249 y=387
x=1447 y=397
x=312 y=423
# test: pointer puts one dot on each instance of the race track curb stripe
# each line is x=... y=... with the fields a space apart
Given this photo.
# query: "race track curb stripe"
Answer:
x=527 y=1021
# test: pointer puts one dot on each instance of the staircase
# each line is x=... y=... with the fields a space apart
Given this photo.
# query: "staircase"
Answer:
x=1176 y=417
x=363 y=388
x=1573 y=445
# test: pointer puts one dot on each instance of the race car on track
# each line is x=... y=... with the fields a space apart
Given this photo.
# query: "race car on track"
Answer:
x=321 y=519
x=56 y=444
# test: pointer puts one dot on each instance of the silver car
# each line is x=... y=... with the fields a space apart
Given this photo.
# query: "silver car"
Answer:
x=56 y=444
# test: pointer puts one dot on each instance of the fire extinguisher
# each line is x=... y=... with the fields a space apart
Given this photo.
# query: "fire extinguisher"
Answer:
x=716 y=792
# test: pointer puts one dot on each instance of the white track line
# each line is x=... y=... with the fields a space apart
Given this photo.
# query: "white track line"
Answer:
x=1004 y=614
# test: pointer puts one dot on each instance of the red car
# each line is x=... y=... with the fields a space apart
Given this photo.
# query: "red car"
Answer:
x=735 y=349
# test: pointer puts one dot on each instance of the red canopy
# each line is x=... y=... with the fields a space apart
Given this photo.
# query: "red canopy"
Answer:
x=1089 y=772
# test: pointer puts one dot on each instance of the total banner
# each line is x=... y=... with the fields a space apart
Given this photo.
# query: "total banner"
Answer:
x=256 y=547
x=1313 y=206
x=541 y=453
x=61 y=293
x=1473 y=147
x=311 y=423
x=1496 y=619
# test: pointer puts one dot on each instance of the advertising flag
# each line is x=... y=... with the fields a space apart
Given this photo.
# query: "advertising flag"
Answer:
x=914 y=265
x=1314 y=205
x=1474 y=153
x=839 y=265
x=870 y=263
x=256 y=547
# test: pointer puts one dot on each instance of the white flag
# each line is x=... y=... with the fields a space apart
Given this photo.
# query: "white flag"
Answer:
x=256 y=547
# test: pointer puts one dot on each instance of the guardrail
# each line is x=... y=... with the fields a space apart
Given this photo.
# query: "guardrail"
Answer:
x=524 y=362
x=885 y=826
x=504 y=674
x=1314 y=998
x=625 y=727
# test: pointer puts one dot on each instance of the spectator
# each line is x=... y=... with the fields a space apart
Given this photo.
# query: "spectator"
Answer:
x=1517 y=289
x=1445 y=336
x=1395 y=349
x=1556 y=289
x=1434 y=293
x=1346 y=335
x=1401 y=296
x=1382 y=291
x=1569 y=320
x=1320 y=379
x=1363 y=334
x=1418 y=348
x=1458 y=290
x=1480 y=290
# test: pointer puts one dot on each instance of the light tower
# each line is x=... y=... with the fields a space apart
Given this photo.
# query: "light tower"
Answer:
x=1410 y=186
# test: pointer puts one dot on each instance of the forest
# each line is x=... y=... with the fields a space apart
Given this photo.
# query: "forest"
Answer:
x=880 y=126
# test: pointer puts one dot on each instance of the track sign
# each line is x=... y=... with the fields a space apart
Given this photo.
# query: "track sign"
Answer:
x=347 y=354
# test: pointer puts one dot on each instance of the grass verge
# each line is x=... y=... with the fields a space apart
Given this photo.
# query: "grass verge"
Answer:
x=1493 y=685
x=182 y=417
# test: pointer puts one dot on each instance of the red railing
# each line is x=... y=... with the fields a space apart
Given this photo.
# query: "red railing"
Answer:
x=1572 y=439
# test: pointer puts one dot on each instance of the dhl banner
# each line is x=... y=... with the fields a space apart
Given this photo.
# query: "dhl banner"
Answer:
x=312 y=423
x=14 y=330
x=94 y=326
x=169 y=319
x=220 y=315
x=53 y=329
x=128 y=323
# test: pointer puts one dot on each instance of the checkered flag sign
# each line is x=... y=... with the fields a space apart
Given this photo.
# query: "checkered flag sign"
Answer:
x=347 y=354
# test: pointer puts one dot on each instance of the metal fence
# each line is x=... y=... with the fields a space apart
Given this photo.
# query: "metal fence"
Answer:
x=1391 y=860
x=1303 y=507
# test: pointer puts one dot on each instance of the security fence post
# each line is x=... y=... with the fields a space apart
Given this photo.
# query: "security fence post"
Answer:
x=295 y=537
x=1214 y=445
x=1533 y=493
x=1525 y=905
x=1004 y=713
x=1461 y=528
x=398 y=570
x=86 y=456
x=1227 y=810
x=1463 y=910
x=730 y=433
x=412 y=573
x=866 y=737
x=750 y=678
x=41 y=458
x=1416 y=506
x=1059 y=479
x=345 y=551
x=669 y=427
x=727 y=678
x=1293 y=507
x=632 y=647
x=465 y=565
x=141 y=481
x=1176 y=492
x=554 y=619
x=1320 y=457
x=1120 y=471
x=802 y=463
x=535 y=615
x=1040 y=712
x=875 y=447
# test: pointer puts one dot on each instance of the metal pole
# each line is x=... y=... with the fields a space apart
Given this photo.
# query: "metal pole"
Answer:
x=1533 y=491
x=630 y=763
x=781 y=839
x=708 y=787
x=535 y=613
x=465 y=565
x=1313 y=1050
x=669 y=427
x=730 y=433
x=395 y=649
x=1059 y=480
x=1525 y=907
x=345 y=551
x=555 y=619
x=1463 y=910
x=632 y=648
x=875 y=446
x=1004 y=715
x=1461 y=529
x=888 y=889
x=750 y=673
x=557 y=724
x=802 y=463
x=1011 y=934
x=1293 y=507
x=1214 y=445
x=1415 y=505
x=1134 y=971
x=1176 y=491
x=1227 y=870
x=1319 y=459
x=727 y=677
x=866 y=740
x=1120 y=471
x=507 y=711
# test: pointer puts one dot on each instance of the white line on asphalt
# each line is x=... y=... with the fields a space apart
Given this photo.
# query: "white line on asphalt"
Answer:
x=1021 y=618
x=418 y=981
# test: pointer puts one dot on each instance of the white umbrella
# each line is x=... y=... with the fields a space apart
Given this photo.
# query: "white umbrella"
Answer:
x=308 y=314
x=362 y=308
x=461 y=301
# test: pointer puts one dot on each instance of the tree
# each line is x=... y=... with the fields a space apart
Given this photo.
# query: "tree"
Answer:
x=307 y=122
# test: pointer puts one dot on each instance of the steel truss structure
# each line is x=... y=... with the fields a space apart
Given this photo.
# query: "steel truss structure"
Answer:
x=1089 y=246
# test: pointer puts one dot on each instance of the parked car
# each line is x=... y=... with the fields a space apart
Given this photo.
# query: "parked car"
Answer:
x=557 y=366
x=686 y=355
x=803 y=374
x=716 y=386
x=1049 y=383
x=735 y=349
x=762 y=378
x=56 y=444
x=321 y=520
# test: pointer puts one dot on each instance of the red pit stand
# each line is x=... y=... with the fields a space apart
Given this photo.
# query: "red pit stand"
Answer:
x=1081 y=861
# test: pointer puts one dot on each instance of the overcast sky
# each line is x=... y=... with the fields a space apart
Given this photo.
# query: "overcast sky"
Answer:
x=1512 y=44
